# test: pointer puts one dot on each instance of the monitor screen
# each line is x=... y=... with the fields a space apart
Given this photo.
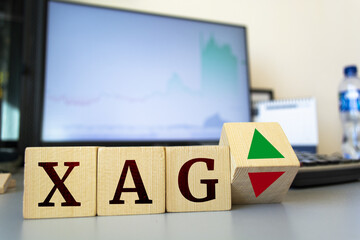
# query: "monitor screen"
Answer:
x=122 y=76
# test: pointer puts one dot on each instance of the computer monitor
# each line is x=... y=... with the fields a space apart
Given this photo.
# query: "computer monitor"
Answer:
x=120 y=76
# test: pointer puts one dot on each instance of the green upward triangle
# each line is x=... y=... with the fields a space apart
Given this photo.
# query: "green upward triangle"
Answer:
x=261 y=148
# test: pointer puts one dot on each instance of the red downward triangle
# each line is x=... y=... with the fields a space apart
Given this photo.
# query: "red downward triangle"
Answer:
x=260 y=181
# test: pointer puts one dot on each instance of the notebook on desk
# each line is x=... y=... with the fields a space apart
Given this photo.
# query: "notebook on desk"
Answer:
x=297 y=117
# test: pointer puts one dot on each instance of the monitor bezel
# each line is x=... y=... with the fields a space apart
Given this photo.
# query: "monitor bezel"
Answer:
x=123 y=142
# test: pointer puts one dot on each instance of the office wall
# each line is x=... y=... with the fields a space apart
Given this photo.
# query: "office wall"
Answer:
x=297 y=48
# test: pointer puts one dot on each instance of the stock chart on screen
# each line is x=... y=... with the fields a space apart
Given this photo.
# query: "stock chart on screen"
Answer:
x=114 y=75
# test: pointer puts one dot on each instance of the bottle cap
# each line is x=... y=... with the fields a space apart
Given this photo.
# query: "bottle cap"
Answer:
x=350 y=71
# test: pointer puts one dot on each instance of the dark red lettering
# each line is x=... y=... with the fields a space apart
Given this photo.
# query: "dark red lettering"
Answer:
x=184 y=181
x=139 y=185
x=59 y=184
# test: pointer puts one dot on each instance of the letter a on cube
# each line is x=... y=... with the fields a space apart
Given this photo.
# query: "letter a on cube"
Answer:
x=60 y=182
x=131 y=180
x=263 y=163
x=197 y=179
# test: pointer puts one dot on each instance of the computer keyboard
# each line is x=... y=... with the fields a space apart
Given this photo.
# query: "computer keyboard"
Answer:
x=317 y=169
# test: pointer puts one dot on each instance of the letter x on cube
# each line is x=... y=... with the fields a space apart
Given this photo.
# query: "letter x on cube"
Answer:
x=60 y=182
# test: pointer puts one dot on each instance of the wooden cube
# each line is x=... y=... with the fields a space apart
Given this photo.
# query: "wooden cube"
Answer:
x=5 y=179
x=131 y=180
x=60 y=182
x=263 y=163
x=197 y=179
x=12 y=183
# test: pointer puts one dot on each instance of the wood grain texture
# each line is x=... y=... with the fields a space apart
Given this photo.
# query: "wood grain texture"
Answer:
x=150 y=162
x=176 y=157
x=81 y=182
x=5 y=179
x=238 y=136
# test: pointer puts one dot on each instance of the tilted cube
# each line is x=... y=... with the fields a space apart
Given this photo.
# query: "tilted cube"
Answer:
x=263 y=163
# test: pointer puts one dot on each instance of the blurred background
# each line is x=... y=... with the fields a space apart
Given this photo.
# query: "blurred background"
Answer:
x=295 y=48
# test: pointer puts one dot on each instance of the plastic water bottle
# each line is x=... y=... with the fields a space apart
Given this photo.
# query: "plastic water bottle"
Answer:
x=349 y=96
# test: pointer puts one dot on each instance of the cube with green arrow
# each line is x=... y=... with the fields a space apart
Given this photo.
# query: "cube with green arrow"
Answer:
x=263 y=163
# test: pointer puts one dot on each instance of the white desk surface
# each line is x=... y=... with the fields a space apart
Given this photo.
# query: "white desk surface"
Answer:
x=331 y=212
